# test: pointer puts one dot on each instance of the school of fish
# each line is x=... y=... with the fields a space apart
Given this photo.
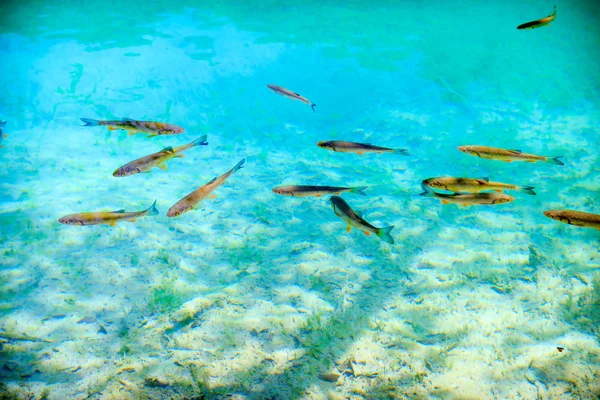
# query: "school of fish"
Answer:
x=463 y=191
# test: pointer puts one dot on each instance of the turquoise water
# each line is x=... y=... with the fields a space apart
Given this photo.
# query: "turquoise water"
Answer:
x=255 y=295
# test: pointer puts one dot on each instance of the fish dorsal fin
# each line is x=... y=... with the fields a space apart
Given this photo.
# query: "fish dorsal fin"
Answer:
x=516 y=151
x=484 y=178
x=212 y=180
x=119 y=211
x=298 y=94
x=168 y=149
x=127 y=120
x=359 y=214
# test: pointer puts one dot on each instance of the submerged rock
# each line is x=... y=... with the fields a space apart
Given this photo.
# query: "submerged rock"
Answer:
x=331 y=377
x=190 y=309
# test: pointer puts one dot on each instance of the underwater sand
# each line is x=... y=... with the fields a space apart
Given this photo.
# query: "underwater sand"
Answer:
x=258 y=296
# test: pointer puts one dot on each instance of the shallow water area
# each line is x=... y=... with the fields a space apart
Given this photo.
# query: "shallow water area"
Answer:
x=255 y=295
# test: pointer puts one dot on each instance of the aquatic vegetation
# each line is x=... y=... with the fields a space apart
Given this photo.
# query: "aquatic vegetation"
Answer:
x=584 y=310
x=201 y=376
x=261 y=296
x=164 y=298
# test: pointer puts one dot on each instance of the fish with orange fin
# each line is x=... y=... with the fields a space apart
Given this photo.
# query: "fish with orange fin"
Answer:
x=470 y=185
x=539 y=22
x=318 y=191
x=467 y=199
x=354 y=219
x=577 y=218
x=150 y=161
x=358 y=148
x=106 y=217
x=134 y=126
x=494 y=153
x=291 y=95
x=2 y=134
x=190 y=201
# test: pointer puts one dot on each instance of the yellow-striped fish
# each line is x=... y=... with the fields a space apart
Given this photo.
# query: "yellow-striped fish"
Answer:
x=150 y=161
x=469 y=185
x=539 y=22
x=358 y=148
x=291 y=95
x=467 y=199
x=2 y=135
x=133 y=126
x=494 y=153
x=106 y=217
x=577 y=218
x=318 y=191
x=191 y=200
x=354 y=219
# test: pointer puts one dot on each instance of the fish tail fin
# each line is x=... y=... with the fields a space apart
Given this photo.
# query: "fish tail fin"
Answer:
x=90 y=122
x=428 y=192
x=239 y=165
x=403 y=152
x=555 y=160
x=384 y=234
x=527 y=190
x=152 y=210
x=3 y=124
x=360 y=190
x=313 y=105
x=201 y=141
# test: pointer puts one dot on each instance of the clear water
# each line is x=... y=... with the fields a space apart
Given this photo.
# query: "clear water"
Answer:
x=258 y=296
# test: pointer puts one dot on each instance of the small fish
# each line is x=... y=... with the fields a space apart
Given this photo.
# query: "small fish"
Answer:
x=577 y=218
x=467 y=199
x=191 y=200
x=494 y=153
x=469 y=185
x=358 y=148
x=539 y=22
x=110 y=217
x=354 y=219
x=156 y=159
x=2 y=135
x=290 y=95
x=318 y=191
x=133 y=126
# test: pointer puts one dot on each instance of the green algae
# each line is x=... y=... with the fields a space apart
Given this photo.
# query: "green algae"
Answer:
x=164 y=298
x=200 y=374
x=584 y=310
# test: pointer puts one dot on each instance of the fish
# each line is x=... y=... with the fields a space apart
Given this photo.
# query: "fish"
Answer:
x=150 y=161
x=577 y=218
x=354 y=219
x=2 y=135
x=190 y=201
x=469 y=185
x=133 y=126
x=538 y=22
x=358 y=148
x=506 y=155
x=106 y=217
x=318 y=191
x=467 y=199
x=291 y=95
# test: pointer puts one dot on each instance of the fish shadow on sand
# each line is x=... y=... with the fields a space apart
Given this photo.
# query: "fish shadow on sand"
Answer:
x=324 y=344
